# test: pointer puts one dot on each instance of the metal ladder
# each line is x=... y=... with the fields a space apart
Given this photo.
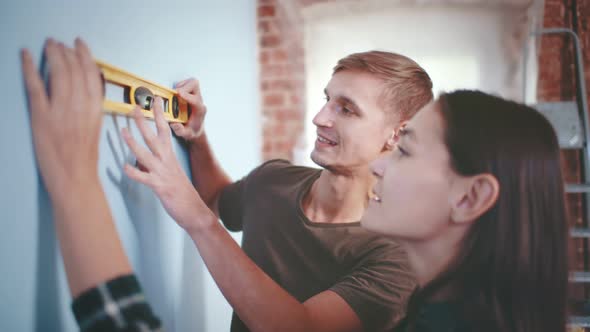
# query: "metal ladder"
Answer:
x=570 y=121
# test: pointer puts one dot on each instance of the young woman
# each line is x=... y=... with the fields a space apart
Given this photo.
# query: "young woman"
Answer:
x=474 y=193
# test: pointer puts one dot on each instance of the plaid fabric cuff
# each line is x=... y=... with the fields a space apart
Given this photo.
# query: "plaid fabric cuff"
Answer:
x=117 y=305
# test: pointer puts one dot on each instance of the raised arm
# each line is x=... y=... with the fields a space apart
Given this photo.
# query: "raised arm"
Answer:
x=66 y=129
x=259 y=301
x=207 y=175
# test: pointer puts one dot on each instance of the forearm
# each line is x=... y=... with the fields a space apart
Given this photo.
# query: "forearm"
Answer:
x=207 y=175
x=89 y=241
x=260 y=302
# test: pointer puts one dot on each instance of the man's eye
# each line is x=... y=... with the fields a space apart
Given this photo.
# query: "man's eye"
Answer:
x=344 y=110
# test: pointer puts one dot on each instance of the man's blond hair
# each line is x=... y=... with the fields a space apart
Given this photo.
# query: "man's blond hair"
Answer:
x=407 y=86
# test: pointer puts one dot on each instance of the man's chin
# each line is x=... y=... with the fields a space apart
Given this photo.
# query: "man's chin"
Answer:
x=318 y=160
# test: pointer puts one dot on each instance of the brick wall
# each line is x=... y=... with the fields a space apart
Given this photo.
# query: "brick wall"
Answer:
x=557 y=82
x=282 y=75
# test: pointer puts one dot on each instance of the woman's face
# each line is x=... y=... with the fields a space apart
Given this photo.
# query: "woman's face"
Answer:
x=414 y=183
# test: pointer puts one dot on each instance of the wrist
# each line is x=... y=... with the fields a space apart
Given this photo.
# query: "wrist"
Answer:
x=79 y=200
x=73 y=185
x=202 y=224
x=198 y=141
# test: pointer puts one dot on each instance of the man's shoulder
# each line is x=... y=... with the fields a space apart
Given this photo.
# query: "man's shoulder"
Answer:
x=282 y=171
x=372 y=252
x=373 y=243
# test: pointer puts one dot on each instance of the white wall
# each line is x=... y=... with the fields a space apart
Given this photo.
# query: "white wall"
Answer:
x=214 y=41
x=459 y=46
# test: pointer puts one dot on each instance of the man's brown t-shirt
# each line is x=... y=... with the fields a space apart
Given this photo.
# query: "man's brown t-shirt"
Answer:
x=370 y=272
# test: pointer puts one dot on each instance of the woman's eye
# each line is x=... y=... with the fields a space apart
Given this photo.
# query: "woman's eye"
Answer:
x=401 y=151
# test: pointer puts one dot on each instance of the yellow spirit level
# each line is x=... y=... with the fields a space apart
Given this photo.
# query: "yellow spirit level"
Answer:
x=139 y=91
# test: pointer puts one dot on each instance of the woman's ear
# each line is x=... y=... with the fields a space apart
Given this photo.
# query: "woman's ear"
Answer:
x=475 y=195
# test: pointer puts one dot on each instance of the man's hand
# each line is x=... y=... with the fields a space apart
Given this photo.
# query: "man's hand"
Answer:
x=65 y=125
x=190 y=91
x=163 y=173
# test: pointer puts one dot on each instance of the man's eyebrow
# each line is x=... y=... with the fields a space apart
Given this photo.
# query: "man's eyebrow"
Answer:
x=344 y=100
x=349 y=101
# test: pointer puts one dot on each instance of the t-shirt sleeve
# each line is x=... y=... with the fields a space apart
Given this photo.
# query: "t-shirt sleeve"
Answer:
x=378 y=288
x=232 y=200
x=230 y=205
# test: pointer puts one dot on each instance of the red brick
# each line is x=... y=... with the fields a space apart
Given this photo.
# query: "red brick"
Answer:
x=280 y=55
x=264 y=85
x=279 y=132
x=266 y=147
x=265 y=132
x=284 y=115
x=264 y=27
x=283 y=146
x=264 y=57
x=273 y=71
x=295 y=99
x=274 y=100
x=266 y=11
x=280 y=84
x=270 y=41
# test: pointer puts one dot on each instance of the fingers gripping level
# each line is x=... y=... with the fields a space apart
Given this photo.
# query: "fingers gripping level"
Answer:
x=138 y=91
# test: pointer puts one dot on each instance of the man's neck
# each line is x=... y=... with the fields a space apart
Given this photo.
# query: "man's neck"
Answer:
x=335 y=198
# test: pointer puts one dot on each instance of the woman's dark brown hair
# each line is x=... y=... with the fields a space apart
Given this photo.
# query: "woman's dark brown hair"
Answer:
x=511 y=272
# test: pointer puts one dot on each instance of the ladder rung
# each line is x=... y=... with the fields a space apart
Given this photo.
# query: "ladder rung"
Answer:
x=577 y=188
x=581 y=321
x=579 y=276
x=580 y=232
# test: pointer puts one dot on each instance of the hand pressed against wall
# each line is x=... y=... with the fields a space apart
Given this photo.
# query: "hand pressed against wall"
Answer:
x=66 y=122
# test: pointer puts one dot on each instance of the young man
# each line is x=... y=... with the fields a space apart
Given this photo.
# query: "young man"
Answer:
x=306 y=263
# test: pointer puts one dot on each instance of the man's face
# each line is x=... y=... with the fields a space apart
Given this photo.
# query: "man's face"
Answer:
x=352 y=127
